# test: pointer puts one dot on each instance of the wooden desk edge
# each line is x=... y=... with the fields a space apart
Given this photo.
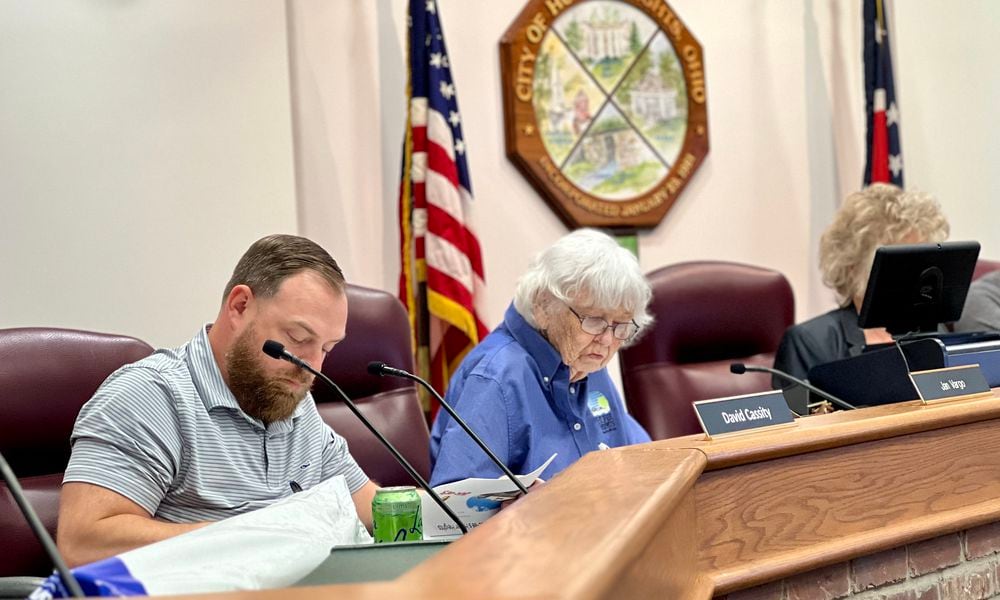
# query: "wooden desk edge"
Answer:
x=621 y=538
x=842 y=428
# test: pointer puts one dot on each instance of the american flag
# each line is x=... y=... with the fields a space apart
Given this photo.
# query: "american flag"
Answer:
x=441 y=281
x=884 y=162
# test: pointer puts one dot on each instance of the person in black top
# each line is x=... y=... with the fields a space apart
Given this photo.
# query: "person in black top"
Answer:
x=879 y=215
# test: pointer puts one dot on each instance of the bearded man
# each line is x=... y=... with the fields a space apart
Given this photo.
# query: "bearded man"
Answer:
x=214 y=428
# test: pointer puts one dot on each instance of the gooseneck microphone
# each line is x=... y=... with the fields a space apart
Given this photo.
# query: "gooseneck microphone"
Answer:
x=39 y=530
x=277 y=350
x=740 y=368
x=381 y=370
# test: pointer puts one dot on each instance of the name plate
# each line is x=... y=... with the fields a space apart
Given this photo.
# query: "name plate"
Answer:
x=742 y=414
x=950 y=383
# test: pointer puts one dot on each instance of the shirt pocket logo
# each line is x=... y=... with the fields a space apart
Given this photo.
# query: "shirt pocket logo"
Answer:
x=600 y=408
x=598 y=404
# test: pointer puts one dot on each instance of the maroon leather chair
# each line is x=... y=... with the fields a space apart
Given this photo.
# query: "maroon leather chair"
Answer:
x=378 y=328
x=46 y=375
x=708 y=314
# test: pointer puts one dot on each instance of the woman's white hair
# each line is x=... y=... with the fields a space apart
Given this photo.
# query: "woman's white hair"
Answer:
x=585 y=265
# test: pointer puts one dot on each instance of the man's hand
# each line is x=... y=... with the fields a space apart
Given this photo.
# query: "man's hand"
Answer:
x=363 y=502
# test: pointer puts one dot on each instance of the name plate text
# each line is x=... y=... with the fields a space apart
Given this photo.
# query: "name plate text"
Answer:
x=966 y=381
x=740 y=414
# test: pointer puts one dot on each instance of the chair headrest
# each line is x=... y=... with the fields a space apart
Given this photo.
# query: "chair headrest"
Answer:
x=46 y=375
x=711 y=310
x=378 y=328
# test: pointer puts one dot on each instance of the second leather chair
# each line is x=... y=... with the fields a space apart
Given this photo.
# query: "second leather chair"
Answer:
x=378 y=328
x=708 y=315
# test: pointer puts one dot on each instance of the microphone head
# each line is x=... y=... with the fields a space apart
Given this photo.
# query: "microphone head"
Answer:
x=738 y=368
x=376 y=367
x=273 y=349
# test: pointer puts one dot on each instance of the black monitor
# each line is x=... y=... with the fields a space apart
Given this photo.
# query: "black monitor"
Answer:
x=916 y=287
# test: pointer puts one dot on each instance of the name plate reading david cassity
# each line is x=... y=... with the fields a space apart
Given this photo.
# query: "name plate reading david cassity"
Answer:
x=739 y=414
x=966 y=381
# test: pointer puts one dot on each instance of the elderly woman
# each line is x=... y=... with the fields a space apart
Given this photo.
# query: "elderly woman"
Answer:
x=538 y=384
x=879 y=215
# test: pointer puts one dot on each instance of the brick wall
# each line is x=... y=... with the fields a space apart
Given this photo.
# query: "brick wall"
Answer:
x=957 y=566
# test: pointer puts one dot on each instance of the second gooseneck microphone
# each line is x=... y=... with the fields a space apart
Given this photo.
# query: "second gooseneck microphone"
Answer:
x=381 y=369
x=277 y=350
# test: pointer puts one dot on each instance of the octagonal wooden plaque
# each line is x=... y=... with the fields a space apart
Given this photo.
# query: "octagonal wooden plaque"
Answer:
x=604 y=107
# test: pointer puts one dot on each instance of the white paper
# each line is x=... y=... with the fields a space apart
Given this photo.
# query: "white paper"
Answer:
x=473 y=500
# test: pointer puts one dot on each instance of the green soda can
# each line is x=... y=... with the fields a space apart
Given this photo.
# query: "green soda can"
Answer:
x=396 y=515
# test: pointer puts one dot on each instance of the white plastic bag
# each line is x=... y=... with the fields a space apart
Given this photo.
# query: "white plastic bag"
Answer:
x=269 y=548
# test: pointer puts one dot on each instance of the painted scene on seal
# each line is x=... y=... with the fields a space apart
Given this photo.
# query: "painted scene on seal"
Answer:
x=610 y=99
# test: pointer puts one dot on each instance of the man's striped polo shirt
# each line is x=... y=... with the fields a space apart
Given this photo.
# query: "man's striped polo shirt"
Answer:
x=167 y=433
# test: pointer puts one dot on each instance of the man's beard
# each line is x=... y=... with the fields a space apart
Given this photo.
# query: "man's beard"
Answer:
x=261 y=397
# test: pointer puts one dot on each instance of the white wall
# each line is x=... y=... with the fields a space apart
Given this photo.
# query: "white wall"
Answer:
x=345 y=203
x=144 y=145
x=951 y=125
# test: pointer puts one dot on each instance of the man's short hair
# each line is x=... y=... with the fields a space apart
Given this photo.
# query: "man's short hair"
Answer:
x=272 y=259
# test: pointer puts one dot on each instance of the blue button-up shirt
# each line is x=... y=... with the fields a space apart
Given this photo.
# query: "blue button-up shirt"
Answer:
x=514 y=391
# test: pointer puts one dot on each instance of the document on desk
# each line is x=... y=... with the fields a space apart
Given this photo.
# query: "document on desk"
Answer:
x=473 y=500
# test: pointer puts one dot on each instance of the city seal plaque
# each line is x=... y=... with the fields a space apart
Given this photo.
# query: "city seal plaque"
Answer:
x=604 y=107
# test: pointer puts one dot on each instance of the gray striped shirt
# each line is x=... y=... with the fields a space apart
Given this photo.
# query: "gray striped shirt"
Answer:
x=166 y=433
